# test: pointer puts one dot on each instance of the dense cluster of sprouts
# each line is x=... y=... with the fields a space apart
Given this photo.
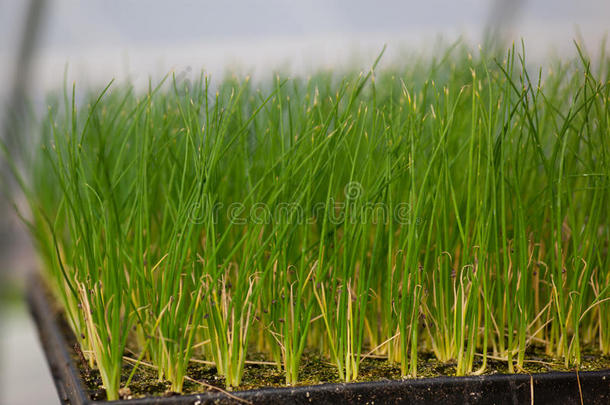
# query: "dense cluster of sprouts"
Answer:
x=457 y=204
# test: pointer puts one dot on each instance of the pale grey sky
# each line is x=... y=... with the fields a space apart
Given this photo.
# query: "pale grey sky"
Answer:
x=102 y=39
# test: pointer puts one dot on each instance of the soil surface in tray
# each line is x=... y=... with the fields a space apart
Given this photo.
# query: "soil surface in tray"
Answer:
x=315 y=369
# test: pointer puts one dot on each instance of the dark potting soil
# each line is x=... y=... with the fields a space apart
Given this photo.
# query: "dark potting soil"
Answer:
x=315 y=369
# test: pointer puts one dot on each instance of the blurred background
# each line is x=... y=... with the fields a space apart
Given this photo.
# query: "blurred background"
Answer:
x=44 y=42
